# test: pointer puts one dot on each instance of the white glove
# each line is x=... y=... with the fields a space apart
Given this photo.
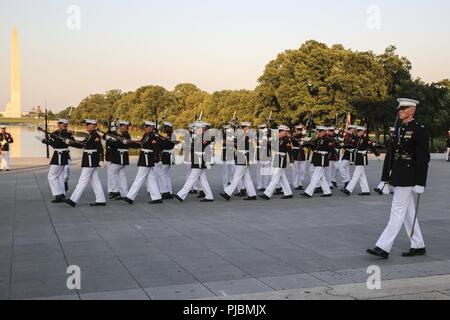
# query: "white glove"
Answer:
x=418 y=190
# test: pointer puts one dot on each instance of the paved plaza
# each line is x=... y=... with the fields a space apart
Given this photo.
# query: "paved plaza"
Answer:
x=193 y=250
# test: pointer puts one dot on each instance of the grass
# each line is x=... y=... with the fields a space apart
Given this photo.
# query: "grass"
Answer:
x=9 y=121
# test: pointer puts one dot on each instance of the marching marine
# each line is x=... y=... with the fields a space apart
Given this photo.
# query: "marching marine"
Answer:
x=363 y=145
x=299 y=158
x=93 y=153
x=147 y=173
x=321 y=147
x=199 y=145
x=279 y=165
x=120 y=159
x=408 y=171
x=167 y=147
x=60 y=141
x=242 y=171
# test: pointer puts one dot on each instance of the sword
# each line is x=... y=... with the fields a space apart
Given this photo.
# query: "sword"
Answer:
x=417 y=214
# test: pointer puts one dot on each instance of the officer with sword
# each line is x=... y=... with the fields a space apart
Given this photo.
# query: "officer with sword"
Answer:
x=410 y=154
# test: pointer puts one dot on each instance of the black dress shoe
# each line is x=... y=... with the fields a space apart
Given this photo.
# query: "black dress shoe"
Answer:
x=225 y=196
x=379 y=191
x=114 y=195
x=318 y=191
x=304 y=194
x=278 y=192
x=66 y=186
x=201 y=195
x=287 y=197
x=167 y=196
x=415 y=253
x=335 y=184
x=193 y=192
x=178 y=198
x=346 y=192
x=299 y=189
x=364 y=194
x=241 y=194
x=59 y=199
x=129 y=201
x=156 y=202
x=262 y=190
x=326 y=195
x=71 y=203
x=264 y=197
x=207 y=200
x=251 y=198
x=379 y=253
x=96 y=204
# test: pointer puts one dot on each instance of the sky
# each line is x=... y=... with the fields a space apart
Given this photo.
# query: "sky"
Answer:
x=215 y=44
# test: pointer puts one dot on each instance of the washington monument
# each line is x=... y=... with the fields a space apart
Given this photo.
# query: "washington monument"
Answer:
x=14 y=107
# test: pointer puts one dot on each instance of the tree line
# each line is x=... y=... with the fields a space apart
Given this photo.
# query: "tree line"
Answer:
x=316 y=80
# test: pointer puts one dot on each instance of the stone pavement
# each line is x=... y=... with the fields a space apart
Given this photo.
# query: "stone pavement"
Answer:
x=192 y=250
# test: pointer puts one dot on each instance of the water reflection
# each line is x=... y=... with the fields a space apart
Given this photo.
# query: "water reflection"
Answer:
x=26 y=144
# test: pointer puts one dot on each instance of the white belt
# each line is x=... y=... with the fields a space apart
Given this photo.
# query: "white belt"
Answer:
x=147 y=151
x=90 y=153
x=60 y=152
x=323 y=154
x=168 y=151
x=123 y=150
x=351 y=150
x=283 y=154
x=363 y=152
x=296 y=148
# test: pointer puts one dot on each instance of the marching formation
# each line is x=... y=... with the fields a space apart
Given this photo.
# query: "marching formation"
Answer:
x=275 y=150
x=331 y=153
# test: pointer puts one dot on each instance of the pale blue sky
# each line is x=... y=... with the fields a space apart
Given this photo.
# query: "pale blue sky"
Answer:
x=216 y=44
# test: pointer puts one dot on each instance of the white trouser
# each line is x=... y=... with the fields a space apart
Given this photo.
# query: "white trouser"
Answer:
x=263 y=174
x=448 y=154
x=345 y=171
x=402 y=213
x=67 y=171
x=241 y=174
x=194 y=176
x=299 y=172
x=164 y=179
x=4 y=161
x=197 y=185
x=110 y=177
x=278 y=178
x=119 y=182
x=241 y=184
x=332 y=172
x=385 y=187
x=56 y=180
x=227 y=174
x=148 y=175
x=89 y=174
x=359 y=176
x=318 y=178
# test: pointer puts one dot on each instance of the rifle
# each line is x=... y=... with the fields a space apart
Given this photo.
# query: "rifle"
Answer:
x=233 y=121
x=49 y=135
x=46 y=130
